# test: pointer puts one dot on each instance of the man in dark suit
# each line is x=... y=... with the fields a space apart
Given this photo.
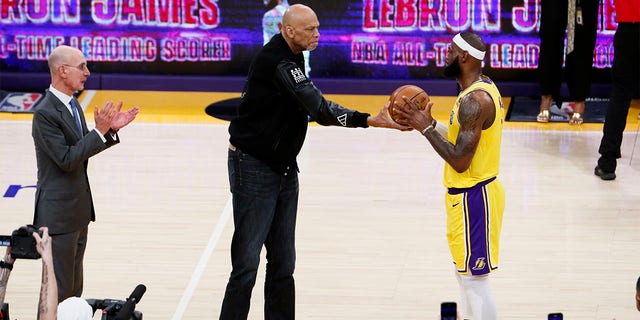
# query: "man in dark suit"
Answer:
x=63 y=143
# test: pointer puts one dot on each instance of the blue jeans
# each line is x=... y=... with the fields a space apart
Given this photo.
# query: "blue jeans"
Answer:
x=265 y=205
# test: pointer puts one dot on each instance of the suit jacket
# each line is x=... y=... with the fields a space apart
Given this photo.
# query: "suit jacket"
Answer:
x=63 y=197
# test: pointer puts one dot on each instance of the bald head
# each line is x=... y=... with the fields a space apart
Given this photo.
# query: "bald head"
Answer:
x=297 y=14
x=68 y=69
x=61 y=55
x=300 y=28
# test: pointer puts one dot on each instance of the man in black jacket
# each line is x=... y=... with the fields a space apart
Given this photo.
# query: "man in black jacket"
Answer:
x=266 y=137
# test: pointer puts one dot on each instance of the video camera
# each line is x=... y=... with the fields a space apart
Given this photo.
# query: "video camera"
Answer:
x=117 y=309
x=23 y=245
x=110 y=308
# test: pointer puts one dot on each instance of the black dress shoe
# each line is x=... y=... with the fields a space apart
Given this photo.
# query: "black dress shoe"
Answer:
x=604 y=175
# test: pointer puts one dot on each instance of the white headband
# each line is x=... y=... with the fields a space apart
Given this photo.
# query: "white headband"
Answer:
x=465 y=46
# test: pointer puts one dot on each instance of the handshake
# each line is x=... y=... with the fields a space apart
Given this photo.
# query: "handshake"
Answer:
x=22 y=242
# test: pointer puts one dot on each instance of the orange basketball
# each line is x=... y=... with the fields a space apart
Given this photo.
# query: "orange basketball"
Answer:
x=413 y=93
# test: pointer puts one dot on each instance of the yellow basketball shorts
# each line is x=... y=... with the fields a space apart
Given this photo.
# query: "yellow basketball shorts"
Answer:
x=474 y=221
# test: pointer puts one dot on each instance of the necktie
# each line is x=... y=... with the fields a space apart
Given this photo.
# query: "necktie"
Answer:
x=571 y=24
x=74 y=107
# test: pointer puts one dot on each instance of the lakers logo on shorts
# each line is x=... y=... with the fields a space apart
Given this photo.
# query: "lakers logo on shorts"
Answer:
x=480 y=264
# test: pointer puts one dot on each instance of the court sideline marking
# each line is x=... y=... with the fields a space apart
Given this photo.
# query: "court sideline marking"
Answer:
x=204 y=260
x=88 y=96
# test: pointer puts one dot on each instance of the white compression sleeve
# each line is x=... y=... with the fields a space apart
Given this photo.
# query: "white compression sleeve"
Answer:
x=464 y=307
x=479 y=298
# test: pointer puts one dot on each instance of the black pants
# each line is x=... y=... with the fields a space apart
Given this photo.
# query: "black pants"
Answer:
x=578 y=65
x=625 y=82
x=68 y=256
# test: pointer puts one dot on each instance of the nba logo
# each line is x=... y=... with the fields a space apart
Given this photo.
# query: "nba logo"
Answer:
x=20 y=102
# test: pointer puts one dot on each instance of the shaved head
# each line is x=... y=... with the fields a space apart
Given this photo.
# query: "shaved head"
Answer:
x=61 y=55
x=300 y=28
x=68 y=69
x=297 y=14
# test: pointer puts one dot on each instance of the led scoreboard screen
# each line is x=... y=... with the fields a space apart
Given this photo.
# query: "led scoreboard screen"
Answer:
x=394 y=39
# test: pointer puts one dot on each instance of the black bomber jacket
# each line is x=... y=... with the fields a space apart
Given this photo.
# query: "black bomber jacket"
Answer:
x=277 y=102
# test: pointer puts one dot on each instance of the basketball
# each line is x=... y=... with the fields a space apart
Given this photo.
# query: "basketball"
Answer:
x=413 y=93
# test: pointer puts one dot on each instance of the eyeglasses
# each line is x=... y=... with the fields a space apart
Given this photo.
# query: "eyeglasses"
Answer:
x=81 y=67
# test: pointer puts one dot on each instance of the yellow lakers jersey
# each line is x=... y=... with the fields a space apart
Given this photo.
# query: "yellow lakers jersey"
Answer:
x=486 y=161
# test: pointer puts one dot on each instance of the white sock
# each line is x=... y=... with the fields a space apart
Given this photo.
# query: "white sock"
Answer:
x=479 y=297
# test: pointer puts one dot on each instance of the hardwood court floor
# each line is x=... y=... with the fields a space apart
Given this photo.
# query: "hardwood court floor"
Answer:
x=371 y=226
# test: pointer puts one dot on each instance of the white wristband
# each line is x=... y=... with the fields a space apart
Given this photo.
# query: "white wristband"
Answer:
x=429 y=127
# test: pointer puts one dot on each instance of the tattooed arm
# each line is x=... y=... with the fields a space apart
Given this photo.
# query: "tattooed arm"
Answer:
x=48 y=303
x=475 y=108
x=475 y=114
x=4 y=274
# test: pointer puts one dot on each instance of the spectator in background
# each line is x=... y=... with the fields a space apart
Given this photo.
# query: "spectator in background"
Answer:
x=272 y=19
x=625 y=80
x=555 y=17
x=272 y=23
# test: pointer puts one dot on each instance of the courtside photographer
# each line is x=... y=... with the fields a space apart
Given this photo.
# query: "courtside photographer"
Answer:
x=21 y=244
x=28 y=242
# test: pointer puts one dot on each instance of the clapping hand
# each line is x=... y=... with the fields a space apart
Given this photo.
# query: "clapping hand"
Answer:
x=121 y=119
x=110 y=117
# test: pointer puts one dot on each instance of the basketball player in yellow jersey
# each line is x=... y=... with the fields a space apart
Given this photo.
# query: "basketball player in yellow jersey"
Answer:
x=471 y=150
